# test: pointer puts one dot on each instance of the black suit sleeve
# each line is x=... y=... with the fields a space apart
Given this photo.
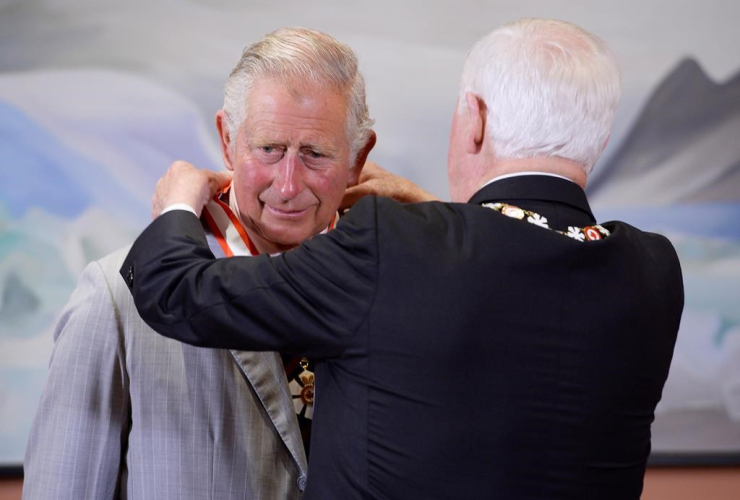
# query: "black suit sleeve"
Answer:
x=310 y=300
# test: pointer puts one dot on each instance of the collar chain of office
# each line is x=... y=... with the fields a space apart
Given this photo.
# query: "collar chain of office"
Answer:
x=588 y=233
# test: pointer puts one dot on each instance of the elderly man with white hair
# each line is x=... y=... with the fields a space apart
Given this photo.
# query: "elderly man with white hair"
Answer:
x=127 y=413
x=505 y=345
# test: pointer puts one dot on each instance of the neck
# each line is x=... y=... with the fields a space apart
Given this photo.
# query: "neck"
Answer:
x=548 y=165
x=264 y=246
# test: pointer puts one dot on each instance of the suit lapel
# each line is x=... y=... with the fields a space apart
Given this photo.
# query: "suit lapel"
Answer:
x=263 y=370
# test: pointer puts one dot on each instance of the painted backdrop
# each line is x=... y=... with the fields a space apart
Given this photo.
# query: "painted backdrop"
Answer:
x=98 y=98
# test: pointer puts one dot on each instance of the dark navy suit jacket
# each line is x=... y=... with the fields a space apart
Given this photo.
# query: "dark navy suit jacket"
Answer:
x=461 y=353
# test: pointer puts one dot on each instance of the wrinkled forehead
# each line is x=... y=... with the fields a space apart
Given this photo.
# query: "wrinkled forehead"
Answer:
x=275 y=107
x=298 y=88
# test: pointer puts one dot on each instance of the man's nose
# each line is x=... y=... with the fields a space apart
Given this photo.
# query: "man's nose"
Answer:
x=289 y=178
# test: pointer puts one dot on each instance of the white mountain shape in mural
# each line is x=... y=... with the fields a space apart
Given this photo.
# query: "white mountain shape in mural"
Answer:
x=41 y=267
x=683 y=148
x=90 y=237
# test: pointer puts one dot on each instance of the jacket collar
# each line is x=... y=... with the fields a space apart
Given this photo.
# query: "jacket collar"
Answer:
x=534 y=187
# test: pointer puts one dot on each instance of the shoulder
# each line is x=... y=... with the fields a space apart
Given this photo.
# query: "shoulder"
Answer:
x=104 y=274
x=654 y=245
x=96 y=300
x=111 y=263
x=385 y=211
x=652 y=253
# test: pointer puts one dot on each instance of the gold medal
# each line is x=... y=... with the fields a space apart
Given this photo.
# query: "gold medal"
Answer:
x=302 y=390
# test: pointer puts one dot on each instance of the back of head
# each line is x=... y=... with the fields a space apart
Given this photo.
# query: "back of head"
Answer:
x=550 y=88
x=301 y=60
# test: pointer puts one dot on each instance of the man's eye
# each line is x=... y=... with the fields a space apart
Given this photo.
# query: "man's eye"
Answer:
x=313 y=154
x=268 y=149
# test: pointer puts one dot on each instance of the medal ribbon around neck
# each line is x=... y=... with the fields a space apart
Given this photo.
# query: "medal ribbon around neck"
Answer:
x=234 y=241
x=229 y=231
x=588 y=233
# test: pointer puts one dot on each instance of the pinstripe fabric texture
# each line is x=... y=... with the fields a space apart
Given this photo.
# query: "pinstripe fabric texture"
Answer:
x=127 y=413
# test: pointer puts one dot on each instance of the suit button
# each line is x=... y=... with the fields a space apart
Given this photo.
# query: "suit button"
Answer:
x=130 y=276
x=302 y=483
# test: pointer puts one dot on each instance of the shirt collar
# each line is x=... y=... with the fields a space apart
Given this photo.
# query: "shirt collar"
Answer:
x=521 y=174
x=520 y=188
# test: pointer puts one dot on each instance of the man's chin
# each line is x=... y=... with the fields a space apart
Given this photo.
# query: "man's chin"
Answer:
x=287 y=239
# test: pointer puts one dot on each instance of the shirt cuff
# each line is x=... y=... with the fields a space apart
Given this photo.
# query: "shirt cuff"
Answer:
x=179 y=206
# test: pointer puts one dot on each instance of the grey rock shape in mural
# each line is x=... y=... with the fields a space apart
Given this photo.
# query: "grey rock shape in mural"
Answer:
x=17 y=300
x=684 y=147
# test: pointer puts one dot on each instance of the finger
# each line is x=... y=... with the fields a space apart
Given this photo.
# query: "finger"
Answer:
x=218 y=181
x=353 y=194
x=223 y=178
x=181 y=165
x=372 y=169
x=371 y=165
x=156 y=203
x=155 y=208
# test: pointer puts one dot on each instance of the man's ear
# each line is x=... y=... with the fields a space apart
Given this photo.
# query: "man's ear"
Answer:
x=475 y=118
x=356 y=169
x=225 y=136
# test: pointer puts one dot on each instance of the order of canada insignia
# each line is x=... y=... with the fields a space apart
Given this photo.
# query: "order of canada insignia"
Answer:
x=302 y=390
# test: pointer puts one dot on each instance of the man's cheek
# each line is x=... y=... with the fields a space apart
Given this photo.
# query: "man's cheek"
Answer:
x=256 y=184
x=332 y=186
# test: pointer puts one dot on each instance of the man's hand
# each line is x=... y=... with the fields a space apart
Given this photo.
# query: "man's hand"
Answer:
x=376 y=181
x=183 y=183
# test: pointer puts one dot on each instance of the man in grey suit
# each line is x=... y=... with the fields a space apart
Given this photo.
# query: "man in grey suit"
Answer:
x=127 y=413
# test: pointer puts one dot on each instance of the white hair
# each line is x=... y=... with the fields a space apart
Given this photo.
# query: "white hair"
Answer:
x=303 y=60
x=550 y=88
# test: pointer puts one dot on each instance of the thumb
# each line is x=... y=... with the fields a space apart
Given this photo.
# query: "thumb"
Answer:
x=218 y=181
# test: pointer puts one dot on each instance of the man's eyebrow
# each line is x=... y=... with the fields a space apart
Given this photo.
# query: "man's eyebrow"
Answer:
x=326 y=149
x=262 y=141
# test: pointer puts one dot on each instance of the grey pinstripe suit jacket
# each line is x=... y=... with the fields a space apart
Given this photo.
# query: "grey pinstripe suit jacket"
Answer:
x=127 y=413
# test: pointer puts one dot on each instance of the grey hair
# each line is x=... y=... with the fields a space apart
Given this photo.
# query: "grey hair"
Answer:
x=550 y=87
x=301 y=59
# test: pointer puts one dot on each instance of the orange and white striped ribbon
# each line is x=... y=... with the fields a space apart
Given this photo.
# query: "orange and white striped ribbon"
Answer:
x=229 y=231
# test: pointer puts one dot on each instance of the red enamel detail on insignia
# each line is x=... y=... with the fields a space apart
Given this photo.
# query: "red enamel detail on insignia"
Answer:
x=307 y=395
x=592 y=233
